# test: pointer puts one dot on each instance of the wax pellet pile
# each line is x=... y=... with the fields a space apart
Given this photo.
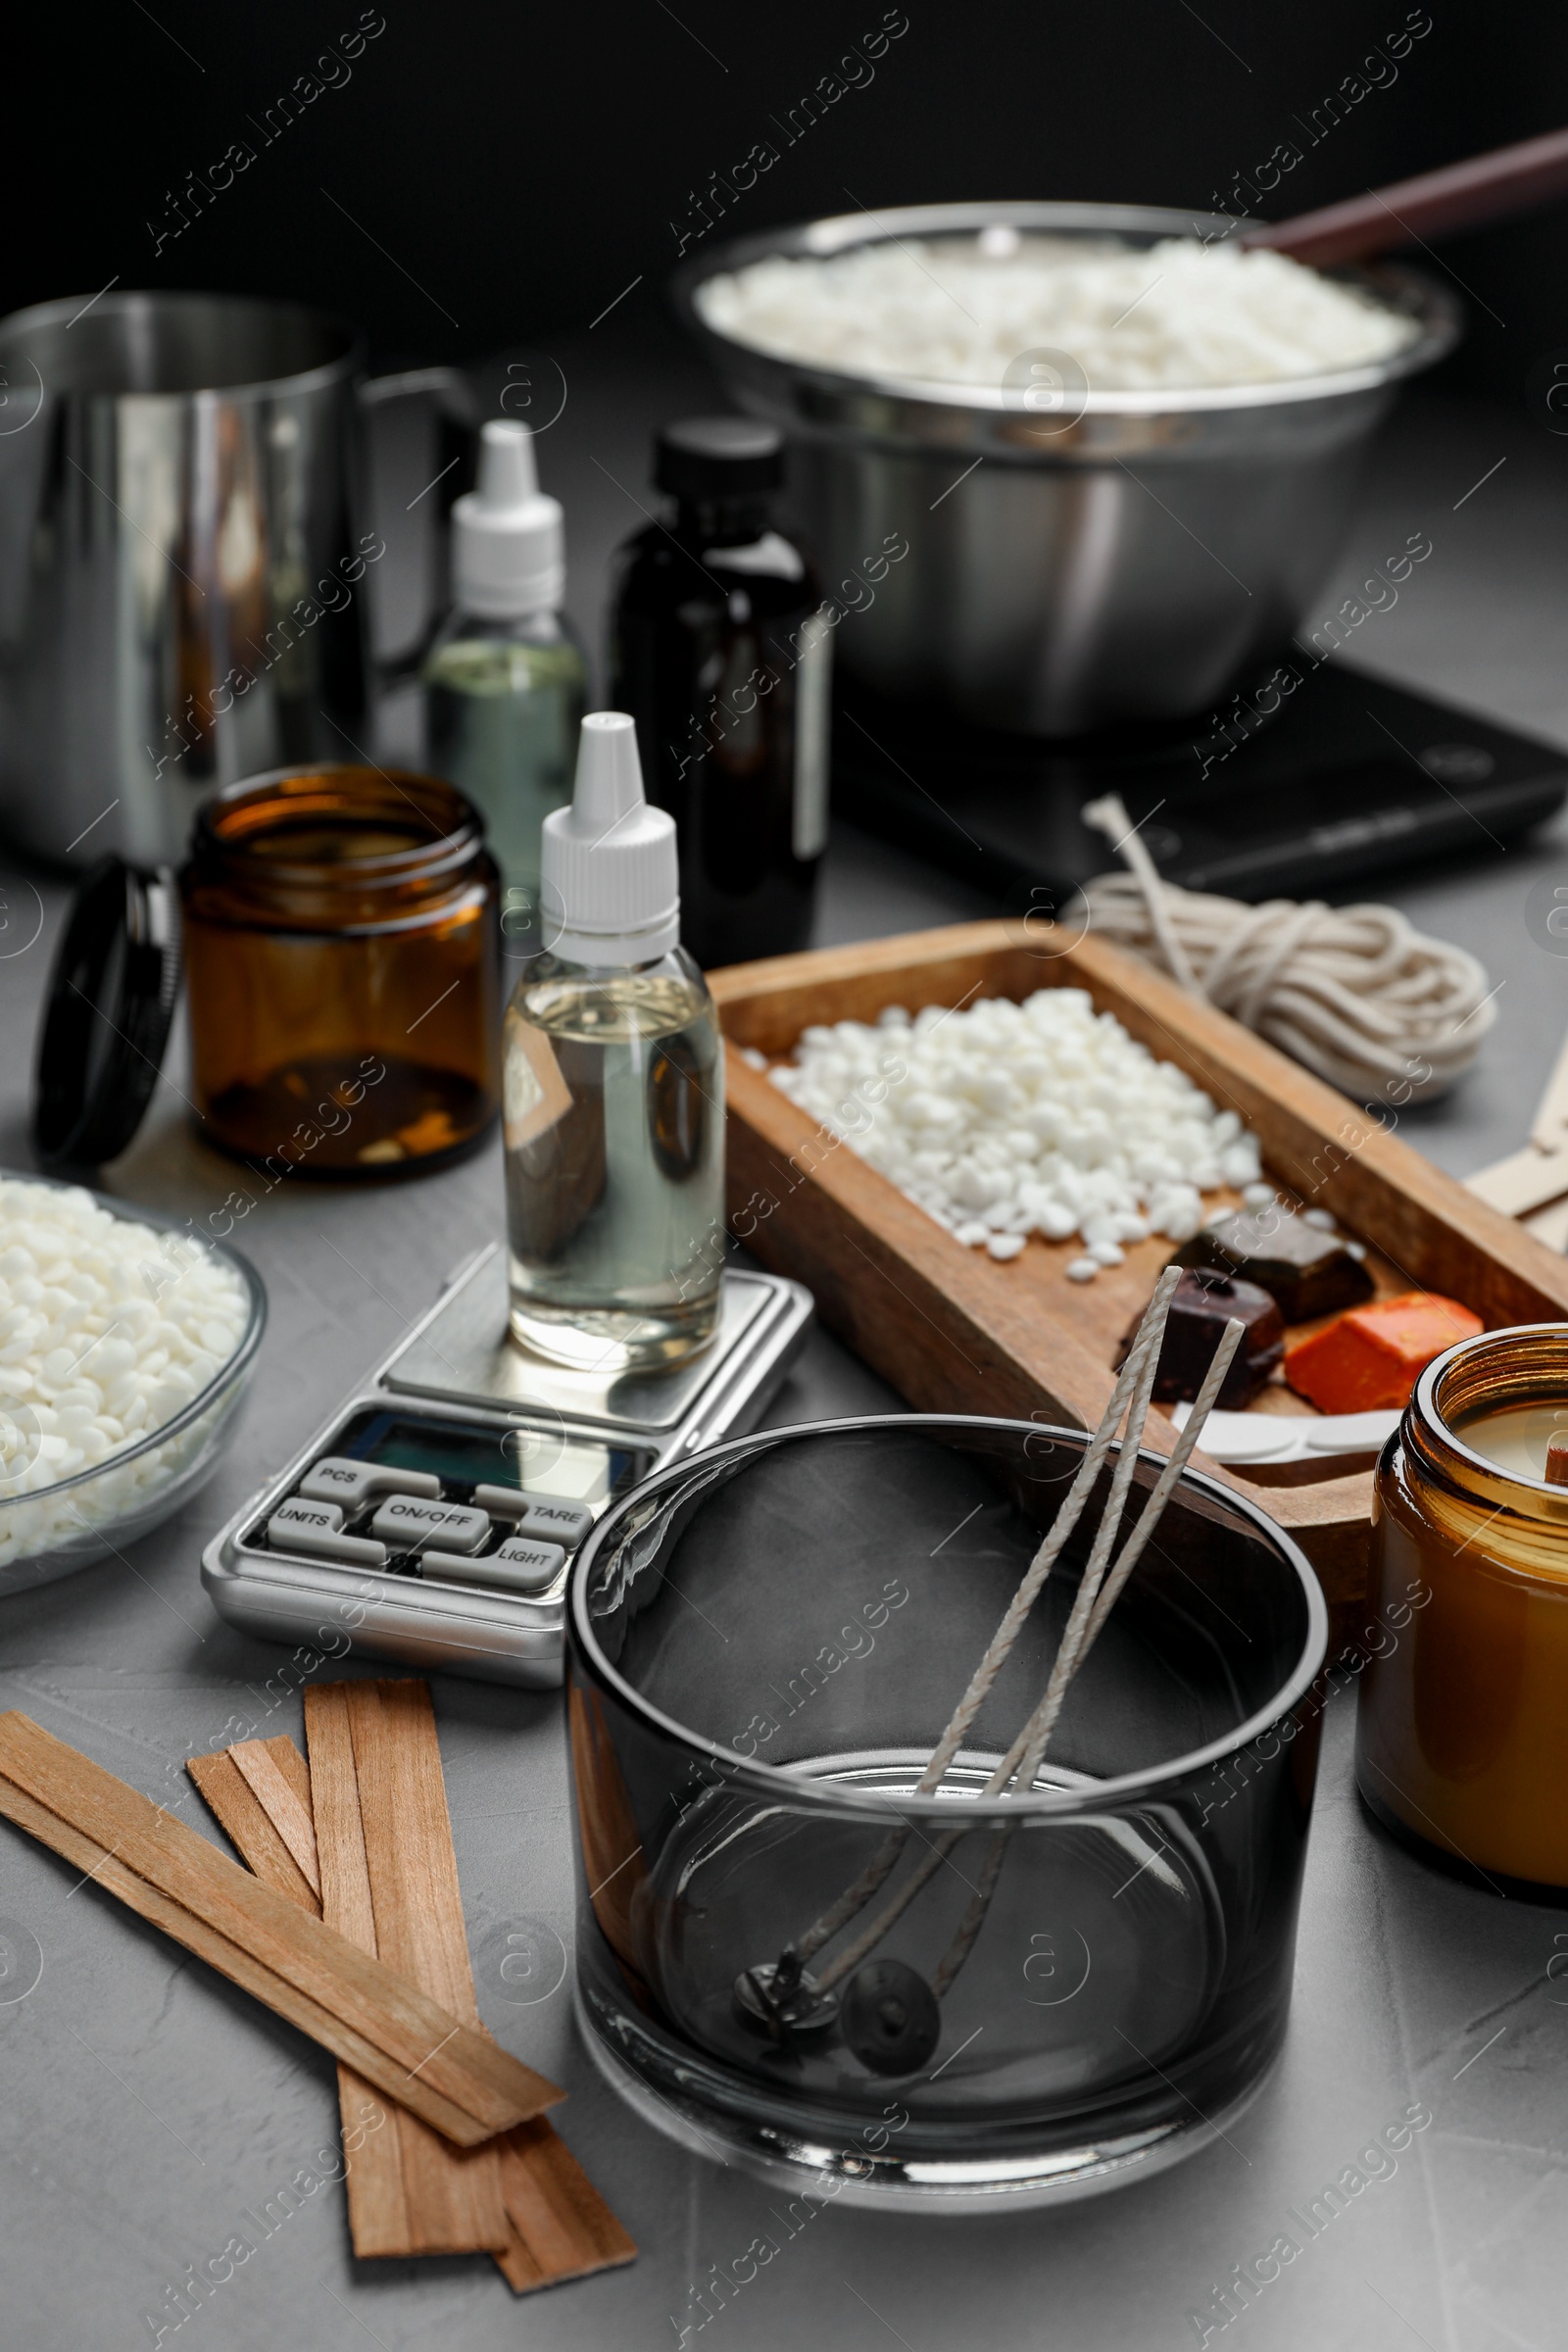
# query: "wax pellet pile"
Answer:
x=964 y=310
x=1005 y=1120
x=108 y=1329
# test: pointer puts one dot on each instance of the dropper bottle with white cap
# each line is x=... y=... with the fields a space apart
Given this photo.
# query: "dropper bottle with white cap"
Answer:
x=613 y=1089
x=506 y=682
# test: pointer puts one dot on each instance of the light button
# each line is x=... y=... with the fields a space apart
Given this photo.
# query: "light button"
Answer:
x=519 y=1566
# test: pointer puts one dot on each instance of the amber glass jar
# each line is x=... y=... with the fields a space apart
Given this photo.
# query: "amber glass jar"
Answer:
x=342 y=957
x=1462 y=1733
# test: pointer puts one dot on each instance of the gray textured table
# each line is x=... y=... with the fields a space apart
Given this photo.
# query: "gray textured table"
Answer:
x=148 y=2107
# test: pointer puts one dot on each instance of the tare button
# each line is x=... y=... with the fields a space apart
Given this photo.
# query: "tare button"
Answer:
x=537 y=1515
x=555 y=1522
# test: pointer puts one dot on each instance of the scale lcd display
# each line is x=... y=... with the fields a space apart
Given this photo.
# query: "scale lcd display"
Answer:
x=539 y=1461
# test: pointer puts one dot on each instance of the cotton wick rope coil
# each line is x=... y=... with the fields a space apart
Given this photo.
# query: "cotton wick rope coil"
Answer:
x=1355 y=993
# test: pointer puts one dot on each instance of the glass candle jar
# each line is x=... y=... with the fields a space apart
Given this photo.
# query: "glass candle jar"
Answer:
x=1462 y=1729
x=342 y=957
x=765 y=1642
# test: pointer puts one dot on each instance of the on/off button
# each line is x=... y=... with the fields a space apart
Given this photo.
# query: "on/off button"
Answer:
x=408 y=1523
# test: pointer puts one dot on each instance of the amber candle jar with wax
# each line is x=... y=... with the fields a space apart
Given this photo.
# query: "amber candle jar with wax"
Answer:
x=1462 y=1736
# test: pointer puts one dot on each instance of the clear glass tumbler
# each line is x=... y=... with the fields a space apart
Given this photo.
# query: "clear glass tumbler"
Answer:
x=766 y=1643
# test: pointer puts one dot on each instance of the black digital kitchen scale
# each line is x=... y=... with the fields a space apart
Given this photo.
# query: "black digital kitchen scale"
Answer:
x=1276 y=796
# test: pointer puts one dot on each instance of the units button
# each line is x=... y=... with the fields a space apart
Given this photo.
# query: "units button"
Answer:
x=314 y=1528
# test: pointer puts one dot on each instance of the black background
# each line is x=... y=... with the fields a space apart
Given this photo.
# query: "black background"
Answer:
x=510 y=170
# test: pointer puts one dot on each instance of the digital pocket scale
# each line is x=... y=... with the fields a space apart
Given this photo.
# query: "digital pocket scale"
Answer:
x=434 y=1516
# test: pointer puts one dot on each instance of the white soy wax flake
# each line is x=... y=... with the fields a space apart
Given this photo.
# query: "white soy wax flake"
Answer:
x=108 y=1329
x=1257 y=1196
x=1082 y=1269
x=955 y=310
x=1004 y=1244
x=1008 y=1120
x=1356 y=1248
x=1320 y=1218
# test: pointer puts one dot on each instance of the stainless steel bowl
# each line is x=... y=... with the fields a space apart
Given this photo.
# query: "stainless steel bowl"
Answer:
x=1126 y=557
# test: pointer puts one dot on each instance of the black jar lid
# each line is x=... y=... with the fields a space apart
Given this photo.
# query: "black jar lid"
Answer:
x=718 y=457
x=107 y=1015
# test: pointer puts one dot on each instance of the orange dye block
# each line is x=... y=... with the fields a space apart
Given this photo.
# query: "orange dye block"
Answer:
x=1373 y=1356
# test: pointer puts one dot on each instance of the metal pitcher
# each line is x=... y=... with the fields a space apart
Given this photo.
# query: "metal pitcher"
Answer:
x=185 y=558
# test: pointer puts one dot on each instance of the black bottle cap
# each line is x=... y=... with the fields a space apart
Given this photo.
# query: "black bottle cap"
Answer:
x=718 y=457
x=107 y=1015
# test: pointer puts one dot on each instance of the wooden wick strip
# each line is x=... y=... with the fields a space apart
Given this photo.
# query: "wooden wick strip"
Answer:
x=377 y=2200
x=561 y=2226
x=288 y=1816
x=412 y=1880
x=408 y=1840
x=454 y=2078
x=108 y=1871
x=240 y=1813
x=381 y=1819
x=388 y=1859
x=374 y=2173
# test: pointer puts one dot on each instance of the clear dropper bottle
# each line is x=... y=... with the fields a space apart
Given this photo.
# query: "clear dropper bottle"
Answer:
x=506 y=682
x=613 y=1090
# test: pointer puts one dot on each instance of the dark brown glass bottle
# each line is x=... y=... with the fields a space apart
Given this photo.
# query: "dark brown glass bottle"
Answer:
x=720 y=653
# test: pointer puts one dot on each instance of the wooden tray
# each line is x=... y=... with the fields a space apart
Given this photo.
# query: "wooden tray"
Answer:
x=956 y=1332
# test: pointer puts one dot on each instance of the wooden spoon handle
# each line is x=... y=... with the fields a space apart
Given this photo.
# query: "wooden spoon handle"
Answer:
x=1511 y=180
